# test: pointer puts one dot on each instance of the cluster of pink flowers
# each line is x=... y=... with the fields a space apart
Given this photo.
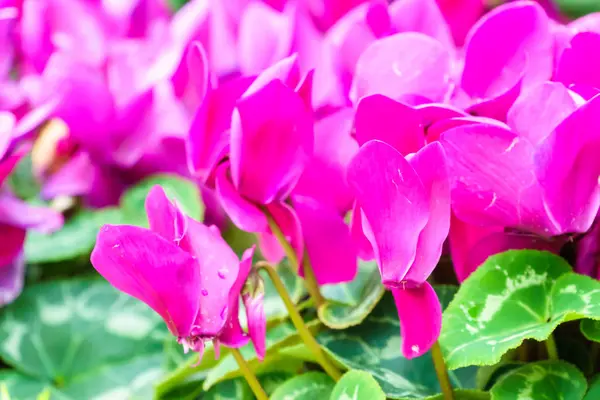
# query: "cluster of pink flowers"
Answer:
x=423 y=120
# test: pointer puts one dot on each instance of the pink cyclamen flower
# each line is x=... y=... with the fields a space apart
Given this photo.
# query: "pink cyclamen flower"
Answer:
x=183 y=270
x=405 y=203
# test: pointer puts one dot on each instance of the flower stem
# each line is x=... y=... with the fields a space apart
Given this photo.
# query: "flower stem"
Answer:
x=441 y=371
x=298 y=322
x=551 y=348
x=257 y=389
x=310 y=280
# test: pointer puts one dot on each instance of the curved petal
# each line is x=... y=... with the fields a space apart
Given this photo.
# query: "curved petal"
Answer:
x=328 y=241
x=164 y=217
x=430 y=164
x=152 y=269
x=243 y=213
x=257 y=323
x=219 y=269
x=420 y=315
x=538 y=111
x=75 y=178
x=512 y=42
x=579 y=62
x=403 y=64
x=568 y=169
x=12 y=277
x=382 y=118
x=271 y=141
x=365 y=248
x=16 y=212
x=389 y=190
x=492 y=179
x=422 y=16
x=324 y=177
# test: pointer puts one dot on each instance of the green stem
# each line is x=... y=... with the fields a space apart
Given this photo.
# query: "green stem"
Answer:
x=441 y=371
x=257 y=389
x=551 y=348
x=298 y=322
x=310 y=280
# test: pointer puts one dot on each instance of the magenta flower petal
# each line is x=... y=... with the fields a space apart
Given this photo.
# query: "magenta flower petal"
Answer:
x=420 y=317
x=265 y=36
x=75 y=178
x=588 y=252
x=8 y=122
x=13 y=238
x=493 y=182
x=16 y=212
x=152 y=269
x=430 y=164
x=324 y=177
x=510 y=43
x=257 y=323
x=382 y=118
x=389 y=190
x=496 y=107
x=568 y=169
x=164 y=217
x=538 y=111
x=403 y=64
x=287 y=220
x=422 y=16
x=328 y=241
x=461 y=15
x=271 y=141
x=579 y=62
x=12 y=277
x=462 y=238
x=365 y=248
x=378 y=18
x=219 y=270
x=435 y=130
x=243 y=213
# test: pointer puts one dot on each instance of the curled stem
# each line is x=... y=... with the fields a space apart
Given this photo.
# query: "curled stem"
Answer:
x=441 y=371
x=298 y=322
x=551 y=348
x=310 y=281
x=257 y=389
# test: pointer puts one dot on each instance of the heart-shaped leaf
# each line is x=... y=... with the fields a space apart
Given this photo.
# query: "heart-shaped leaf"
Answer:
x=374 y=346
x=590 y=329
x=552 y=380
x=464 y=394
x=185 y=192
x=21 y=387
x=308 y=386
x=59 y=330
x=594 y=390
x=513 y=296
x=349 y=303
x=357 y=385
x=75 y=239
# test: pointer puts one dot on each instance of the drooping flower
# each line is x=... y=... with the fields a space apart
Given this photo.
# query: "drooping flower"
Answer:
x=405 y=204
x=184 y=271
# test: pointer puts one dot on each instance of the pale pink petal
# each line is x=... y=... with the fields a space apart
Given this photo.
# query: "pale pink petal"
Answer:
x=16 y=212
x=365 y=248
x=421 y=16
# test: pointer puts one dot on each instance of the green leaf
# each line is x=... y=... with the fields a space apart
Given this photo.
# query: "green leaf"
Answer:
x=234 y=389
x=184 y=191
x=464 y=394
x=270 y=381
x=21 y=180
x=349 y=303
x=132 y=379
x=578 y=8
x=357 y=385
x=278 y=337
x=60 y=330
x=594 y=390
x=21 y=387
x=374 y=346
x=308 y=386
x=75 y=239
x=506 y=300
x=590 y=329
x=542 y=380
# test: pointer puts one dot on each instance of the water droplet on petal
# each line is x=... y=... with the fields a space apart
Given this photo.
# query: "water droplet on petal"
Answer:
x=224 y=312
x=204 y=292
x=222 y=273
